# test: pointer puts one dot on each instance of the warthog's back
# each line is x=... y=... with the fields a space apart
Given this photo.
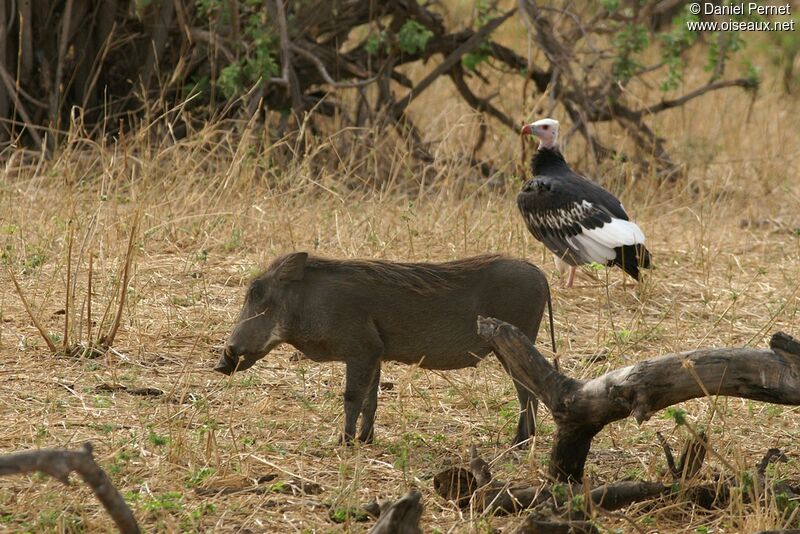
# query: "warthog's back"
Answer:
x=425 y=312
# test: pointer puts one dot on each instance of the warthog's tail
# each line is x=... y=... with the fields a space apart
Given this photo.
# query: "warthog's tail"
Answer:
x=552 y=328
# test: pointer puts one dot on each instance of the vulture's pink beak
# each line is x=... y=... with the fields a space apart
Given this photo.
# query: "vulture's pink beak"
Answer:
x=527 y=130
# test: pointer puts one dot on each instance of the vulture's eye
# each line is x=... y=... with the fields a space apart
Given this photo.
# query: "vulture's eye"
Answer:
x=545 y=127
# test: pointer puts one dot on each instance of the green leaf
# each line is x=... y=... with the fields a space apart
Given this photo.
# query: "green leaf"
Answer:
x=753 y=75
x=471 y=60
x=374 y=43
x=629 y=40
x=413 y=37
x=230 y=80
x=610 y=5
x=673 y=44
x=678 y=414
x=341 y=515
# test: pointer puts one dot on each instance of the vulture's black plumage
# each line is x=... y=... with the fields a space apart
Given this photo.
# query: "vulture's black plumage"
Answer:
x=578 y=220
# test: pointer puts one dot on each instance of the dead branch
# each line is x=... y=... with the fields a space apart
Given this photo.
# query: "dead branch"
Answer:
x=158 y=23
x=36 y=323
x=540 y=523
x=556 y=507
x=668 y=455
x=288 y=75
x=8 y=81
x=59 y=463
x=677 y=102
x=450 y=61
x=213 y=39
x=324 y=72
x=401 y=516
x=476 y=103
x=55 y=97
x=477 y=487
x=265 y=485
x=581 y=408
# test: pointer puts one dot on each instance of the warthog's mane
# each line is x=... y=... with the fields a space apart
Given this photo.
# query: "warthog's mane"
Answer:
x=423 y=278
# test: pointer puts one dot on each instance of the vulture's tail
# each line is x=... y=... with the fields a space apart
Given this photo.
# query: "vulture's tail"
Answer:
x=632 y=258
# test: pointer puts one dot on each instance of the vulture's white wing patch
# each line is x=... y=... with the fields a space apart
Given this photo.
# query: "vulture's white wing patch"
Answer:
x=617 y=233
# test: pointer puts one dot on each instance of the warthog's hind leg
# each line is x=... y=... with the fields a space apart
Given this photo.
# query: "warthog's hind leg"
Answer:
x=369 y=408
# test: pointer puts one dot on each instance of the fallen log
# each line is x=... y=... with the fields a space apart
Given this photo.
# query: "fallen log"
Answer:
x=581 y=408
x=59 y=463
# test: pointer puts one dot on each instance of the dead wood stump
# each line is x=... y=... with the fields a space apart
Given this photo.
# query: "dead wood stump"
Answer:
x=401 y=516
x=581 y=408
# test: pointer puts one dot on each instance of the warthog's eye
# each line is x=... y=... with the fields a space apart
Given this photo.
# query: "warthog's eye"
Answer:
x=255 y=292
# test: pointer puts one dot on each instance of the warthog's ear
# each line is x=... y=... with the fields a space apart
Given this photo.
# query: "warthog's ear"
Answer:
x=293 y=267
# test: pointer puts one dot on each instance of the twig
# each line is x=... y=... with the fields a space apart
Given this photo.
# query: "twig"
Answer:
x=36 y=323
x=108 y=340
x=773 y=455
x=668 y=455
x=55 y=98
x=98 y=63
x=59 y=463
x=477 y=488
x=324 y=72
x=29 y=97
x=479 y=104
x=89 y=304
x=67 y=307
x=451 y=60
x=288 y=77
x=157 y=26
x=84 y=244
x=668 y=104
x=12 y=90
x=213 y=39
x=233 y=9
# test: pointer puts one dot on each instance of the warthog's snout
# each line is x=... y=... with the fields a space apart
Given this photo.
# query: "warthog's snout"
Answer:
x=234 y=359
x=227 y=361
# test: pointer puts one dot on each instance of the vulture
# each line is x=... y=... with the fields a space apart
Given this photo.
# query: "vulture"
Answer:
x=578 y=220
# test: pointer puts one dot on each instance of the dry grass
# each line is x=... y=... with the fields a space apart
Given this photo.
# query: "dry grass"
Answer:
x=216 y=206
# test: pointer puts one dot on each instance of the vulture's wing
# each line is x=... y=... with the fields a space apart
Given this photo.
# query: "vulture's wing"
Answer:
x=577 y=220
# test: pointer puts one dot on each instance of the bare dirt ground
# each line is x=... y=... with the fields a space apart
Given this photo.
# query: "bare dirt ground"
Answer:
x=214 y=209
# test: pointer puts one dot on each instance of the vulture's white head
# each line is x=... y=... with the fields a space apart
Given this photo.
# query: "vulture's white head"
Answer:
x=546 y=130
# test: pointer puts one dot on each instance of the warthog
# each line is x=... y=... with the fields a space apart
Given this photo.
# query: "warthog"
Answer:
x=364 y=312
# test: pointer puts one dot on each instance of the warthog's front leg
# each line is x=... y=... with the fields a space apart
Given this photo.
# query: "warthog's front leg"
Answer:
x=358 y=379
